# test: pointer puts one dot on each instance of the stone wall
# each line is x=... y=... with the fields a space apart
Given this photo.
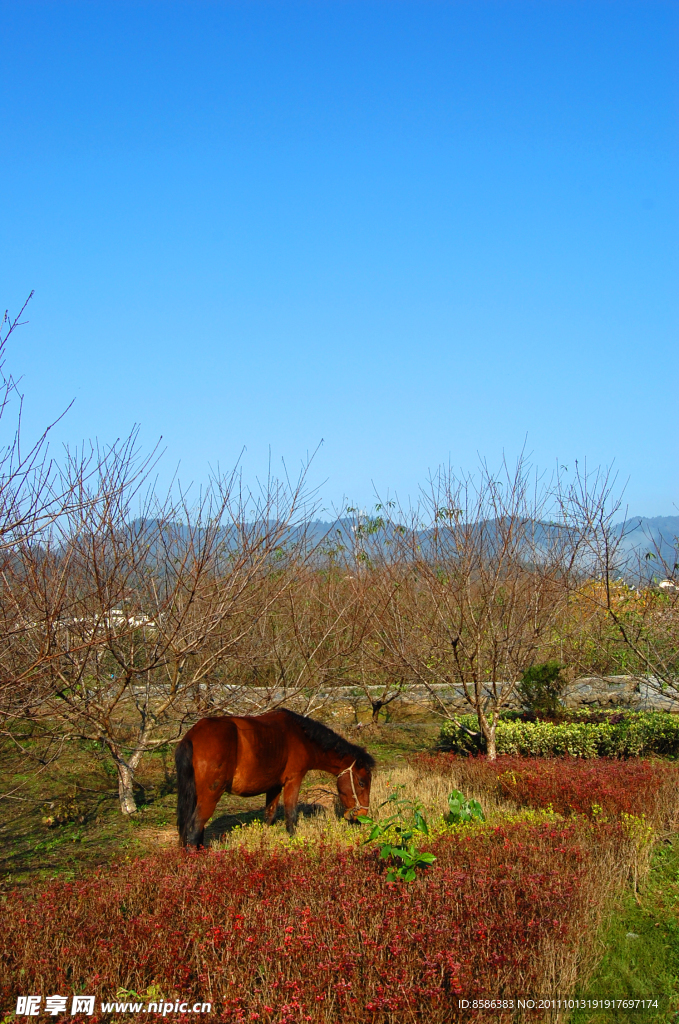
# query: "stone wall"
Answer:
x=637 y=692
x=588 y=691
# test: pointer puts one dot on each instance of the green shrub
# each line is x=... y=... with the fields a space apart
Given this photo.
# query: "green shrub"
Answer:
x=541 y=687
x=633 y=734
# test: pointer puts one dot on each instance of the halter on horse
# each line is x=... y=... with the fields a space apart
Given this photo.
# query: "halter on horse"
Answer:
x=350 y=813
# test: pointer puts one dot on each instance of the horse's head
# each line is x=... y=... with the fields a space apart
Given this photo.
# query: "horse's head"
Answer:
x=353 y=786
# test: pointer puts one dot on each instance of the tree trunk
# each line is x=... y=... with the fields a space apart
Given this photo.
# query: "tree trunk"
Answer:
x=377 y=707
x=491 y=748
x=127 y=767
x=125 y=788
x=488 y=730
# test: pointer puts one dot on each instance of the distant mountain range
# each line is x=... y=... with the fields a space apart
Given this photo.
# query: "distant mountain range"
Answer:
x=639 y=536
x=657 y=535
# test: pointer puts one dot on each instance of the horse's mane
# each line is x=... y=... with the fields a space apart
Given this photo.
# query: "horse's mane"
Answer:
x=329 y=740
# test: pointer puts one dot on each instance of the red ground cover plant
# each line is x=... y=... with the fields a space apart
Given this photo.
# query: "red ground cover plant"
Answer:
x=594 y=787
x=320 y=935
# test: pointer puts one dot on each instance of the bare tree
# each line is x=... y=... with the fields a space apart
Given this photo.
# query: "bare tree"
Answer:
x=479 y=579
x=306 y=643
x=34 y=494
x=140 y=602
x=377 y=675
x=626 y=609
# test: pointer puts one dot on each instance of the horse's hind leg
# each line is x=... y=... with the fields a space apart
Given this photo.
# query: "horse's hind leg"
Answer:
x=272 y=798
x=290 y=798
x=208 y=798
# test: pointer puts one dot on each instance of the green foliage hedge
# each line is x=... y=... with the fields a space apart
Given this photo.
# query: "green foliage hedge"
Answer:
x=633 y=734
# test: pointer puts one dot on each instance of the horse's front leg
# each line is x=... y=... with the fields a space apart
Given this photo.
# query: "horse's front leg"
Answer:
x=290 y=799
x=272 y=798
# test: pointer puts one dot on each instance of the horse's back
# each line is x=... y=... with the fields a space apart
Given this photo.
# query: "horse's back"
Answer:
x=211 y=732
x=241 y=754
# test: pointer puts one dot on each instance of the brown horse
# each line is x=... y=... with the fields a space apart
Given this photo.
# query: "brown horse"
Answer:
x=270 y=754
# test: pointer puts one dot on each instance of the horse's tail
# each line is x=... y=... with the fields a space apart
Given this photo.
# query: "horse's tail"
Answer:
x=186 y=789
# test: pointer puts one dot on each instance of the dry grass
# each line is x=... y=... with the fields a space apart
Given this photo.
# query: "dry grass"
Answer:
x=320 y=817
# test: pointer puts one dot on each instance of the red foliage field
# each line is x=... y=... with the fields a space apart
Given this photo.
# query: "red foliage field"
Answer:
x=320 y=935
x=594 y=787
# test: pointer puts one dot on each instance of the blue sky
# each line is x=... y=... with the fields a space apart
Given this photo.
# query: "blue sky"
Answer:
x=421 y=232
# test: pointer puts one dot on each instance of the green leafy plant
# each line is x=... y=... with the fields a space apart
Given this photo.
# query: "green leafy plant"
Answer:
x=397 y=836
x=462 y=810
x=541 y=687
